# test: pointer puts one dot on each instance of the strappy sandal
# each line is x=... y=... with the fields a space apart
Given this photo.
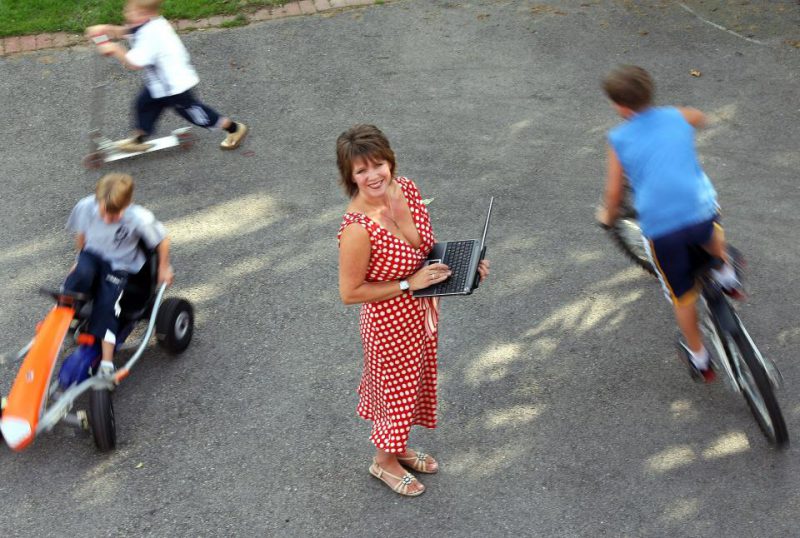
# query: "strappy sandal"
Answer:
x=403 y=482
x=419 y=462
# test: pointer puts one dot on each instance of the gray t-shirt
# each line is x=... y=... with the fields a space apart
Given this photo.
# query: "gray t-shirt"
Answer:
x=116 y=243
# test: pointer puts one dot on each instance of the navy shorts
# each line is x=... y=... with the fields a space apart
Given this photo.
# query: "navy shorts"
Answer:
x=148 y=110
x=93 y=275
x=671 y=256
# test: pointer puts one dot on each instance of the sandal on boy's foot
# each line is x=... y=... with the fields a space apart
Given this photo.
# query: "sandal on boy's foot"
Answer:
x=403 y=482
x=132 y=145
x=420 y=462
x=233 y=140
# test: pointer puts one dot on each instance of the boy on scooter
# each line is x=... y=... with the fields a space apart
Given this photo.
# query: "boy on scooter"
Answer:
x=675 y=201
x=169 y=77
x=108 y=229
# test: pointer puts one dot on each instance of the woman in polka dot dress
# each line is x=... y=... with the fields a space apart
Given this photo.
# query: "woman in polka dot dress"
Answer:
x=384 y=239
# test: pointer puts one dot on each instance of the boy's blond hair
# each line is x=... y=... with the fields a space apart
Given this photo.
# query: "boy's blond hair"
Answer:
x=149 y=5
x=115 y=191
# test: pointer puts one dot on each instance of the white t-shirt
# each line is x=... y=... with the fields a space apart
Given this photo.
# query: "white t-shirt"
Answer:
x=118 y=242
x=167 y=68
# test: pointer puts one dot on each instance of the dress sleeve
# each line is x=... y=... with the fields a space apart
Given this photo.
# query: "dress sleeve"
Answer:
x=354 y=218
x=419 y=212
x=414 y=196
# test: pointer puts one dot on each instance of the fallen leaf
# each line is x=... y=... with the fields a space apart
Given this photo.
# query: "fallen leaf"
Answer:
x=695 y=73
x=139 y=465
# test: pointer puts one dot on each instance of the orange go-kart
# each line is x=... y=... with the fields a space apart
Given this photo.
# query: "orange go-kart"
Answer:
x=35 y=404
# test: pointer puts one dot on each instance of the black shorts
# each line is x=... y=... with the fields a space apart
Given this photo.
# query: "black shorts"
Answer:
x=148 y=109
x=671 y=256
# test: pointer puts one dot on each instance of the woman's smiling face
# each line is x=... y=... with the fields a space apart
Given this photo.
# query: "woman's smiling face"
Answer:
x=372 y=176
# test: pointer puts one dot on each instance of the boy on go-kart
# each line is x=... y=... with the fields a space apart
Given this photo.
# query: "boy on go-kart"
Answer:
x=108 y=230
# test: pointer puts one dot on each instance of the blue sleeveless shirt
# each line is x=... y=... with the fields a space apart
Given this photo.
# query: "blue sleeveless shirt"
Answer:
x=658 y=155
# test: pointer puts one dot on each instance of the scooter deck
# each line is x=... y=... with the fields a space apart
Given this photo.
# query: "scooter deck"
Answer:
x=107 y=151
x=169 y=141
x=28 y=394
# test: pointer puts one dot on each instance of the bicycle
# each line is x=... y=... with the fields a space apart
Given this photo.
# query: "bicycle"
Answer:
x=747 y=371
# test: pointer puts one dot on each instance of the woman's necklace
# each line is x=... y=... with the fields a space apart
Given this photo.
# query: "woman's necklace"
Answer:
x=391 y=211
x=391 y=215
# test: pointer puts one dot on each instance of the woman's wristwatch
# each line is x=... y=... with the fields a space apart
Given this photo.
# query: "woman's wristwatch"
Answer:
x=404 y=285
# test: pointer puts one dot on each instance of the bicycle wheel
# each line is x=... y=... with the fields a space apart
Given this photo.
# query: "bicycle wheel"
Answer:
x=628 y=237
x=627 y=234
x=757 y=390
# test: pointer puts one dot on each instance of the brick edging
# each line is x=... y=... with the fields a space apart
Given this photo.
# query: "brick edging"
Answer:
x=28 y=43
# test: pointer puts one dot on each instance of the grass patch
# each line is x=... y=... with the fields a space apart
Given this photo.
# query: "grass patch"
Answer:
x=239 y=20
x=21 y=17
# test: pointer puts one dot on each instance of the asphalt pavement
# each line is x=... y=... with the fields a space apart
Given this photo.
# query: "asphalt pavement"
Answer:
x=563 y=409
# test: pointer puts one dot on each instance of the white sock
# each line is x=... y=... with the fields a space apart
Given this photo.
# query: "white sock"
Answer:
x=726 y=276
x=700 y=358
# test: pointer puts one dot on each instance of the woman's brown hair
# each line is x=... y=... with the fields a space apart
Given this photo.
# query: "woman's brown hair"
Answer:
x=361 y=142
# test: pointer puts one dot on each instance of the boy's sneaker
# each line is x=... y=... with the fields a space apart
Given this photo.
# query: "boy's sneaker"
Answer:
x=233 y=140
x=132 y=145
x=734 y=288
x=736 y=293
x=706 y=375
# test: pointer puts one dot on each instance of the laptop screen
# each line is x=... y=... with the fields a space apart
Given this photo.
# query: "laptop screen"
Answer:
x=486 y=224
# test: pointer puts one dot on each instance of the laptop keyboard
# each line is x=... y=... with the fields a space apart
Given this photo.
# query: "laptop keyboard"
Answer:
x=456 y=257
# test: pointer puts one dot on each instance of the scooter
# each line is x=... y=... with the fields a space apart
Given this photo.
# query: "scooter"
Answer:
x=105 y=150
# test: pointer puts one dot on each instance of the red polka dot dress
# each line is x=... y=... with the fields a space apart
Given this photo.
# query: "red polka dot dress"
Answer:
x=398 y=385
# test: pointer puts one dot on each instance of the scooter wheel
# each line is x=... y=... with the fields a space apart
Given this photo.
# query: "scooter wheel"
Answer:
x=186 y=140
x=101 y=420
x=175 y=324
x=93 y=161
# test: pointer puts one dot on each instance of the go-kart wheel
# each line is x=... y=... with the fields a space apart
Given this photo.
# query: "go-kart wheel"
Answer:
x=175 y=324
x=94 y=160
x=101 y=420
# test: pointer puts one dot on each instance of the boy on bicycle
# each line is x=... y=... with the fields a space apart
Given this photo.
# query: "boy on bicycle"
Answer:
x=677 y=205
x=169 y=76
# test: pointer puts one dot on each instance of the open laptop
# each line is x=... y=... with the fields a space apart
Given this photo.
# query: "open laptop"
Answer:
x=462 y=257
